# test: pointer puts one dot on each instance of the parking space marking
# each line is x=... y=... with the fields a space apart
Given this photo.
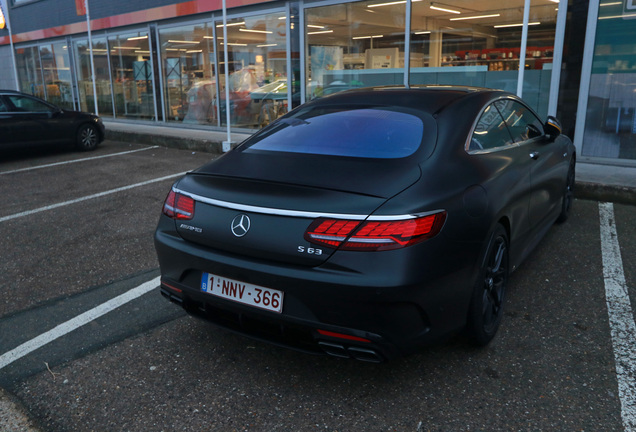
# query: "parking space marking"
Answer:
x=621 y=317
x=75 y=161
x=88 y=197
x=74 y=323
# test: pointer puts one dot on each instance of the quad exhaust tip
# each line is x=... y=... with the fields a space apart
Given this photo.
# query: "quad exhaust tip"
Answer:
x=357 y=353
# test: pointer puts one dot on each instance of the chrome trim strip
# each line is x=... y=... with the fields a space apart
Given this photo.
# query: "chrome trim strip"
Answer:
x=299 y=213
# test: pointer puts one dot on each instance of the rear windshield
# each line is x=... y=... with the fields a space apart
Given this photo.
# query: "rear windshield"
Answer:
x=368 y=132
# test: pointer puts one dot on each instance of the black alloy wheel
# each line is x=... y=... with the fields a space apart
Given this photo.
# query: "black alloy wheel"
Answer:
x=87 y=137
x=568 y=193
x=486 y=308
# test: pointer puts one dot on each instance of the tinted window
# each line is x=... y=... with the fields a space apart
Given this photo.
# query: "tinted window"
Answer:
x=3 y=107
x=358 y=132
x=522 y=123
x=26 y=104
x=491 y=131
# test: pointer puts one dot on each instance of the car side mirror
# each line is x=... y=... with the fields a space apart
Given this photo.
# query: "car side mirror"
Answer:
x=552 y=127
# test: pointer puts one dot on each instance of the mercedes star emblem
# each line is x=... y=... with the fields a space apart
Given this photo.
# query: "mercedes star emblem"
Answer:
x=240 y=225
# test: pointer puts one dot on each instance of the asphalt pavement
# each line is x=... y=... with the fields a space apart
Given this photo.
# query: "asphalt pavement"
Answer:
x=608 y=183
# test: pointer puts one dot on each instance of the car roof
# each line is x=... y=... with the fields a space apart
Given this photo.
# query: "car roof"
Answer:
x=428 y=98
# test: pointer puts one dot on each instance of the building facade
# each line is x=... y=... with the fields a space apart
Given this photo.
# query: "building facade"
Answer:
x=187 y=64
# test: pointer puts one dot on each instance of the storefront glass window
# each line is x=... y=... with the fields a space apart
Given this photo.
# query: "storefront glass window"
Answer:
x=30 y=71
x=470 y=43
x=131 y=71
x=189 y=79
x=354 y=45
x=610 y=123
x=57 y=74
x=102 y=76
x=257 y=56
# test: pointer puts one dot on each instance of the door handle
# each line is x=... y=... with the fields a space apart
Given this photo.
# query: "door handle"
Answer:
x=535 y=155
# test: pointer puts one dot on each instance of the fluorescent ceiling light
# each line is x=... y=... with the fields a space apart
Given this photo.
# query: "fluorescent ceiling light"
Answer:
x=632 y=15
x=424 y=32
x=142 y=52
x=266 y=45
x=610 y=4
x=443 y=8
x=475 y=17
x=208 y=37
x=233 y=44
x=386 y=4
x=368 y=37
x=138 y=38
x=126 y=48
x=231 y=24
x=185 y=42
x=320 y=32
x=255 y=31
x=315 y=26
x=193 y=51
x=516 y=25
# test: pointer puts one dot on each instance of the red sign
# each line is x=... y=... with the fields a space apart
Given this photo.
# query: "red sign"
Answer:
x=80 y=7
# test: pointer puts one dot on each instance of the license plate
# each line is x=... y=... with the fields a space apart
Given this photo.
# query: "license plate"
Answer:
x=241 y=292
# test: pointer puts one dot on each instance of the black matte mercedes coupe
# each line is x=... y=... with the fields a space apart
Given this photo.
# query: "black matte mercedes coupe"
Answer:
x=368 y=223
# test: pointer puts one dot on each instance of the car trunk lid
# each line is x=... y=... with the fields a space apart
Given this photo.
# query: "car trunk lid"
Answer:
x=265 y=219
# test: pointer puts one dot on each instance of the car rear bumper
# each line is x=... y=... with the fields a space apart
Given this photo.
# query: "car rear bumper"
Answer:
x=372 y=313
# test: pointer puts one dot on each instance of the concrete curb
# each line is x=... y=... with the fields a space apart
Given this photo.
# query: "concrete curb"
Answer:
x=195 y=144
x=605 y=193
x=13 y=416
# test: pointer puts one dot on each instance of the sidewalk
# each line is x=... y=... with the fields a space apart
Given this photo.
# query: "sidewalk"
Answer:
x=594 y=182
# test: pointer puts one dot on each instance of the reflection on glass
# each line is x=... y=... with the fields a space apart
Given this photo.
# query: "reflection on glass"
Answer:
x=102 y=76
x=482 y=48
x=610 y=123
x=188 y=72
x=131 y=71
x=57 y=74
x=30 y=71
x=354 y=45
x=257 y=57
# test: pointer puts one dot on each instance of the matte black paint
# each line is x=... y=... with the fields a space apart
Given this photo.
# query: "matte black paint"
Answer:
x=401 y=299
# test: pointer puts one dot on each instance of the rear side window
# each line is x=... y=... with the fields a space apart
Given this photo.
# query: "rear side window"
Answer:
x=491 y=131
x=382 y=133
x=522 y=123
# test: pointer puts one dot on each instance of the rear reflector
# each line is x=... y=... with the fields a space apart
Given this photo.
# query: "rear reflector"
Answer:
x=342 y=336
x=374 y=235
x=178 y=206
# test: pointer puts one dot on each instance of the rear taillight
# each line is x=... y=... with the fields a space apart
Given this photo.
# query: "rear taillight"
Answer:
x=178 y=206
x=374 y=235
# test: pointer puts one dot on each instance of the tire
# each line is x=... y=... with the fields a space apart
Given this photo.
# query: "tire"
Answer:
x=486 y=306
x=87 y=138
x=568 y=194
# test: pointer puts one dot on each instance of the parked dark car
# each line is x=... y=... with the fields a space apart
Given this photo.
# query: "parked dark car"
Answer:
x=368 y=223
x=26 y=120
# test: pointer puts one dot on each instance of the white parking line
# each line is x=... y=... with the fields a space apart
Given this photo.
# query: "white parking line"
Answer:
x=75 y=161
x=74 y=323
x=621 y=317
x=77 y=200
